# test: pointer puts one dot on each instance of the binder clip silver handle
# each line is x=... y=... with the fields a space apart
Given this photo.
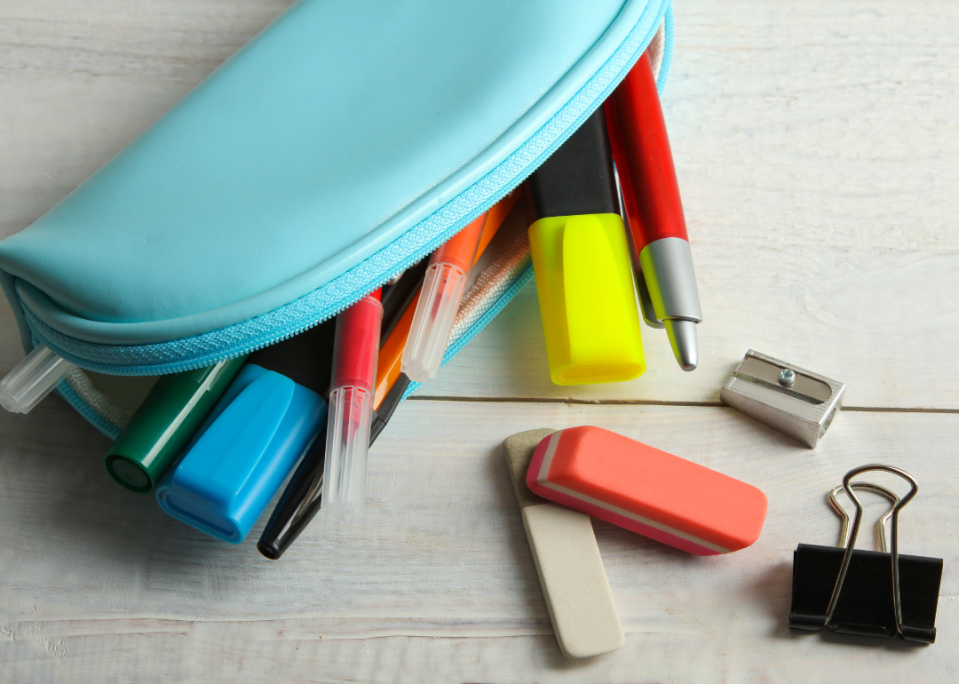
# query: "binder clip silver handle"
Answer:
x=848 y=590
x=880 y=526
x=894 y=541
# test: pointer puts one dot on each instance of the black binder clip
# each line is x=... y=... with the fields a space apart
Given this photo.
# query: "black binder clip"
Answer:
x=869 y=593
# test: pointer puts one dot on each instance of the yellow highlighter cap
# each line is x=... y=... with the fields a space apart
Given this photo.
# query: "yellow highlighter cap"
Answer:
x=586 y=299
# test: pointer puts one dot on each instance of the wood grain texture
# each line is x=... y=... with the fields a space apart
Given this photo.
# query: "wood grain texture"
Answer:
x=436 y=583
x=79 y=79
x=817 y=149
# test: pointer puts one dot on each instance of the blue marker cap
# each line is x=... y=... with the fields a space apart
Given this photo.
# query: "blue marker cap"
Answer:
x=252 y=439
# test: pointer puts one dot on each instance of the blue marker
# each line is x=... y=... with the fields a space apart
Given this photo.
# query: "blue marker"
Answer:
x=254 y=437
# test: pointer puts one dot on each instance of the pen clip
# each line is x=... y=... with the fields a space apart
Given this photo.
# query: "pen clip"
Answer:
x=642 y=289
x=645 y=301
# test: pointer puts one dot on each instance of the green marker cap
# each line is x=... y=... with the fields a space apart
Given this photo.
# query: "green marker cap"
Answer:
x=163 y=425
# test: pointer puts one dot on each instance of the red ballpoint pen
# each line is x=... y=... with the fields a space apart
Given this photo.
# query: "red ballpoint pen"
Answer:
x=653 y=207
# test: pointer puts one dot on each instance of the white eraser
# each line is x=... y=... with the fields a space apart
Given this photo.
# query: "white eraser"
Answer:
x=567 y=560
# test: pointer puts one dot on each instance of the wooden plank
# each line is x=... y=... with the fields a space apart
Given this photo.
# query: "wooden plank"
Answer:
x=905 y=363
x=441 y=553
x=80 y=79
x=249 y=652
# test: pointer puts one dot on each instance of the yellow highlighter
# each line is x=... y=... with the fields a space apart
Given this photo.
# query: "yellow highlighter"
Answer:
x=581 y=260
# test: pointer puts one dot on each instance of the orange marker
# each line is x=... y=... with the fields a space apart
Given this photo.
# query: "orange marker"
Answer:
x=391 y=353
x=443 y=288
x=494 y=219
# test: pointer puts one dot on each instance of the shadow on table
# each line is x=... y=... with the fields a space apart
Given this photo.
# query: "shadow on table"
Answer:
x=521 y=565
x=775 y=589
x=57 y=495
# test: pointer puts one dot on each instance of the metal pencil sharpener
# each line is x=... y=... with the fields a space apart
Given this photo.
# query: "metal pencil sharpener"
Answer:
x=793 y=400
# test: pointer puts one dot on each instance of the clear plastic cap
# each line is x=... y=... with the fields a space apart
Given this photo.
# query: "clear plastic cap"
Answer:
x=443 y=289
x=347 y=448
x=33 y=379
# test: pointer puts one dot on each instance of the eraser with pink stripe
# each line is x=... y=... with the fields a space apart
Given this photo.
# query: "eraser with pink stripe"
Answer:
x=646 y=490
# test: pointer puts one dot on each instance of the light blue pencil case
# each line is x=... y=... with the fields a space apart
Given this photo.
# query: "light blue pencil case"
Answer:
x=344 y=143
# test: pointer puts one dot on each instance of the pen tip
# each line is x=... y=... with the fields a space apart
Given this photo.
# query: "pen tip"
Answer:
x=269 y=549
x=8 y=401
x=682 y=338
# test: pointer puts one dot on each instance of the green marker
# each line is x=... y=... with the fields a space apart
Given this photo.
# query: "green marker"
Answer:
x=169 y=416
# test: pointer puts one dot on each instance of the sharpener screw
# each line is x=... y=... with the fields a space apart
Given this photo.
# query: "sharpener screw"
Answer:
x=787 y=377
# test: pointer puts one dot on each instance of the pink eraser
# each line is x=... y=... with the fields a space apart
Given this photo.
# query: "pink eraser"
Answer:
x=646 y=490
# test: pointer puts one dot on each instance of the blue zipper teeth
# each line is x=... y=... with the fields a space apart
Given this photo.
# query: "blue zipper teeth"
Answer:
x=274 y=326
x=457 y=344
x=91 y=416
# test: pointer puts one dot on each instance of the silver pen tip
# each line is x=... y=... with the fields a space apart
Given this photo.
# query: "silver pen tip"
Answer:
x=682 y=338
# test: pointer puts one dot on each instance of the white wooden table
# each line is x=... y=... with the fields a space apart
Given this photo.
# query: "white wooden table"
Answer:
x=817 y=146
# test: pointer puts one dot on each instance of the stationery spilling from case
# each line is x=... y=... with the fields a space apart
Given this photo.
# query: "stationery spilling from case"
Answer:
x=341 y=286
x=253 y=438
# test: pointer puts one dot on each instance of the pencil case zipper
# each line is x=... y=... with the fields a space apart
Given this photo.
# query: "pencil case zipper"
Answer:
x=519 y=273
x=325 y=302
x=314 y=308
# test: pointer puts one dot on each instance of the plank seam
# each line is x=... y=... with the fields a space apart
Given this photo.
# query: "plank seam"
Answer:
x=653 y=402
